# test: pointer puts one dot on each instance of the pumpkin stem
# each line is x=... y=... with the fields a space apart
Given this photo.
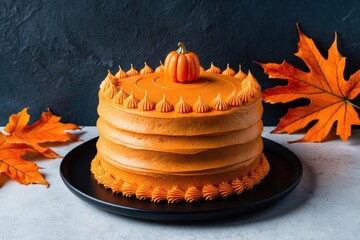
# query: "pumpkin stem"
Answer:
x=181 y=49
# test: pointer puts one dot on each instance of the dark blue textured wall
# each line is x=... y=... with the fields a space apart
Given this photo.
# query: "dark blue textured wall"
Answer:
x=55 y=53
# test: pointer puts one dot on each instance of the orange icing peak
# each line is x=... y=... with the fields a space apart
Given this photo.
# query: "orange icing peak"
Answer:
x=128 y=189
x=120 y=97
x=131 y=101
x=182 y=106
x=225 y=189
x=201 y=69
x=219 y=104
x=228 y=71
x=160 y=68
x=164 y=105
x=175 y=195
x=120 y=74
x=250 y=85
x=213 y=69
x=143 y=192
x=111 y=91
x=200 y=106
x=243 y=95
x=193 y=194
x=146 y=104
x=233 y=100
x=132 y=71
x=240 y=74
x=237 y=185
x=248 y=182
x=210 y=192
x=158 y=195
x=146 y=69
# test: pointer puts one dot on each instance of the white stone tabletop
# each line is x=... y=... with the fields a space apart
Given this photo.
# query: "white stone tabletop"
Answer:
x=325 y=204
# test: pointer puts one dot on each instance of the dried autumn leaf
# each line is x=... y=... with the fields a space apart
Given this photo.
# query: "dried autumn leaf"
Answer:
x=21 y=139
x=324 y=85
x=11 y=163
x=47 y=129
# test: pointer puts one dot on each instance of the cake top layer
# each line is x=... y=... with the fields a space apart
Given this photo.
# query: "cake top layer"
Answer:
x=182 y=86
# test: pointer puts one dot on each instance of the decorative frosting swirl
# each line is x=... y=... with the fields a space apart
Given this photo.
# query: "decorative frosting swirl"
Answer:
x=146 y=104
x=117 y=185
x=210 y=192
x=121 y=74
x=238 y=186
x=105 y=84
x=131 y=101
x=120 y=97
x=146 y=69
x=248 y=182
x=240 y=74
x=200 y=106
x=160 y=68
x=219 y=104
x=106 y=179
x=193 y=194
x=228 y=71
x=251 y=85
x=144 y=192
x=213 y=69
x=225 y=189
x=182 y=106
x=158 y=195
x=243 y=95
x=256 y=175
x=175 y=195
x=164 y=105
x=201 y=69
x=111 y=91
x=233 y=100
x=129 y=189
x=132 y=71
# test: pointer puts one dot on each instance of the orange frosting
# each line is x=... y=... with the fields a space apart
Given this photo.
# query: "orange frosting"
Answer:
x=213 y=69
x=182 y=106
x=146 y=104
x=120 y=74
x=160 y=68
x=228 y=71
x=219 y=104
x=146 y=69
x=175 y=194
x=240 y=74
x=132 y=71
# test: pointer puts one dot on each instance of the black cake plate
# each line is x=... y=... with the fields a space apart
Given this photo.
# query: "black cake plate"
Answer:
x=285 y=174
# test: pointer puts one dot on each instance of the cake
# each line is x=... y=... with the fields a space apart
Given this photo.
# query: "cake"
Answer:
x=179 y=133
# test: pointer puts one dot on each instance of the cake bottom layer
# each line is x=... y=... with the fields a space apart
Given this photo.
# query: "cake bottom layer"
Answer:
x=179 y=188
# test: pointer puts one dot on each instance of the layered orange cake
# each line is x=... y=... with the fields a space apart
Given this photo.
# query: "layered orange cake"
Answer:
x=180 y=137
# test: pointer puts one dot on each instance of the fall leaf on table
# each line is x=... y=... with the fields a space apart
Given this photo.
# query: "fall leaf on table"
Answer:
x=324 y=85
x=19 y=139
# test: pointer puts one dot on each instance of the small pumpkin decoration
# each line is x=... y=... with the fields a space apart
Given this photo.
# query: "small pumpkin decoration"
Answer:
x=182 y=65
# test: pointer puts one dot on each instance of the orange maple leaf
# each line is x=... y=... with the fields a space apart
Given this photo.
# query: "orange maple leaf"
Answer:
x=324 y=85
x=47 y=129
x=17 y=168
x=21 y=139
